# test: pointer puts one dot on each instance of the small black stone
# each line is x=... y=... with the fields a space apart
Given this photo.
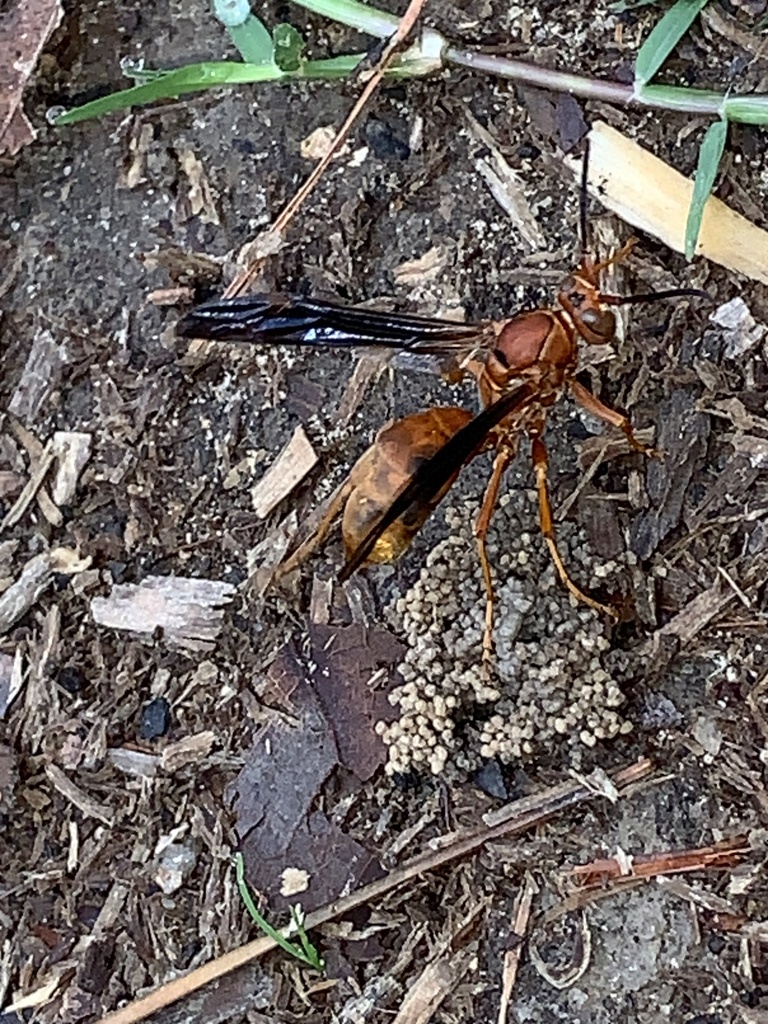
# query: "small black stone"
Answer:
x=155 y=719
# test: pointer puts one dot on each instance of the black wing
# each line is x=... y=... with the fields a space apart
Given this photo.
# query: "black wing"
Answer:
x=433 y=474
x=288 y=320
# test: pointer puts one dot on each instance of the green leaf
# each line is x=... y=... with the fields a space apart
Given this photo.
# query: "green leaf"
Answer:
x=628 y=5
x=747 y=109
x=289 y=47
x=253 y=41
x=664 y=37
x=355 y=14
x=306 y=953
x=172 y=84
x=706 y=171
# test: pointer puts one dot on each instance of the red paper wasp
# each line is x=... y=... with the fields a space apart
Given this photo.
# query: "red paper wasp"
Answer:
x=522 y=366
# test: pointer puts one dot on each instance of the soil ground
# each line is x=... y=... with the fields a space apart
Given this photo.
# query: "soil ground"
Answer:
x=177 y=446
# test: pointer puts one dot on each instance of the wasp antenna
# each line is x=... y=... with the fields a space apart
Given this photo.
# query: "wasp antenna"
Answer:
x=672 y=293
x=584 y=197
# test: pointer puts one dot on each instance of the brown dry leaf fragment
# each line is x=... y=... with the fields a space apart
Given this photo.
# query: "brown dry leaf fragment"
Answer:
x=557 y=116
x=200 y=196
x=654 y=197
x=183 y=266
x=287 y=764
x=39 y=378
x=354 y=670
x=289 y=469
x=18 y=134
x=284 y=771
x=178 y=296
x=25 y=27
x=72 y=450
x=188 y=611
x=142 y=134
x=36 y=576
x=682 y=436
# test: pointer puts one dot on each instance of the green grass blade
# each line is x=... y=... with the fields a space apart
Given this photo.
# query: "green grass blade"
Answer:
x=191 y=78
x=664 y=37
x=253 y=41
x=354 y=14
x=261 y=921
x=706 y=171
x=747 y=109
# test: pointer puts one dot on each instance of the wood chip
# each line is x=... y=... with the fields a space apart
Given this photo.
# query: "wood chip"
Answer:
x=522 y=913
x=188 y=611
x=506 y=186
x=36 y=576
x=39 y=377
x=72 y=450
x=289 y=469
x=189 y=750
x=200 y=196
x=134 y=762
x=62 y=782
x=26 y=27
x=655 y=198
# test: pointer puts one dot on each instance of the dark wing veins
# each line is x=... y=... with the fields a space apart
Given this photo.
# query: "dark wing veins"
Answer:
x=287 y=320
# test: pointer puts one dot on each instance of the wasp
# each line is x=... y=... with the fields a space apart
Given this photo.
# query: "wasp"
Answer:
x=522 y=365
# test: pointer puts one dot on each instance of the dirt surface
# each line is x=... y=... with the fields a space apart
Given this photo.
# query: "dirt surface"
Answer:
x=133 y=766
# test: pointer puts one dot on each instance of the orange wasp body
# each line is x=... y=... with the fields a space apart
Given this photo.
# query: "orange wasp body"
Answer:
x=522 y=366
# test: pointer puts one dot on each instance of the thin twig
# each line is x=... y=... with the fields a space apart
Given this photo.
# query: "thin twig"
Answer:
x=521 y=816
x=407 y=22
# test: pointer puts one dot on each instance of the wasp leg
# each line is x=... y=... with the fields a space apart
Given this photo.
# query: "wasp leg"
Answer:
x=540 y=461
x=500 y=463
x=593 y=405
x=318 y=535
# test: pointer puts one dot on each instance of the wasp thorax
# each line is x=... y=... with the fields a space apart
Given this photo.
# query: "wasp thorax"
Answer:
x=520 y=342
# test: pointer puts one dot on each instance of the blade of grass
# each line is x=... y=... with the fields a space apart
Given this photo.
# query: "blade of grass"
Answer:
x=310 y=950
x=354 y=14
x=710 y=152
x=250 y=35
x=191 y=78
x=664 y=37
x=253 y=41
x=261 y=921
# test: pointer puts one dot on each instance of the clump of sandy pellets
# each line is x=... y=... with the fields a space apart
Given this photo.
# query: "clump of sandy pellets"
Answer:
x=547 y=681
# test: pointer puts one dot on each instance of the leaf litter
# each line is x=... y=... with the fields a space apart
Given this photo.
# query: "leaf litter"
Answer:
x=117 y=875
